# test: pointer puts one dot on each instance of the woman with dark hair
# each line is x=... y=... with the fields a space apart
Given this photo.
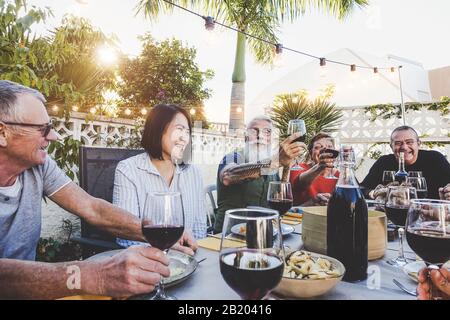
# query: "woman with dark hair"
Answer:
x=311 y=185
x=166 y=140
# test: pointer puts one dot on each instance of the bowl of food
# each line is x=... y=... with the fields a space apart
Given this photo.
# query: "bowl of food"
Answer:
x=307 y=275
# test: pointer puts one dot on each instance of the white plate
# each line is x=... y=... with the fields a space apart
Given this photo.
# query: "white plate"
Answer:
x=285 y=229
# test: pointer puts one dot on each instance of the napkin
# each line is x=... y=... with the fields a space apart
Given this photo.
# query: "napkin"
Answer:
x=212 y=242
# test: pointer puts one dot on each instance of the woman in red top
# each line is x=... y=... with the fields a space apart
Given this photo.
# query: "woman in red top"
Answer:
x=310 y=186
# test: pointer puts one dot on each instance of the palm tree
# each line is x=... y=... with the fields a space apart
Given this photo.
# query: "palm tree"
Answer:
x=260 y=18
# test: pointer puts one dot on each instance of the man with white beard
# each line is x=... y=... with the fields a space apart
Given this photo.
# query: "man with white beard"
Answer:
x=243 y=176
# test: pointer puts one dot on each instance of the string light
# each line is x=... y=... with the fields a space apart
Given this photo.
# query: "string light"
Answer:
x=375 y=70
x=127 y=111
x=278 y=48
x=192 y=111
x=143 y=111
x=210 y=24
x=323 y=62
x=55 y=108
x=238 y=109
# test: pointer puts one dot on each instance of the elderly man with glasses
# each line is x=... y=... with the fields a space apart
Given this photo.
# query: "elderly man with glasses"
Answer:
x=243 y=176
x=27 y=174
x=433 y=165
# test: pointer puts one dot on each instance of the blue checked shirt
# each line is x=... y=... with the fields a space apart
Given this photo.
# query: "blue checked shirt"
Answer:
x=137 y=176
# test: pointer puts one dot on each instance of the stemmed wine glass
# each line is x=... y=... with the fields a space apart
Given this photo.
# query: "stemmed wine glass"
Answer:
x=388 y=177
x=162 y=226
x=417 y=174
x=294 y=126
x=398 y=200
x=279 y=196
x=428 y=232
x=252 y=268
x=420 y=184
x=331 y=148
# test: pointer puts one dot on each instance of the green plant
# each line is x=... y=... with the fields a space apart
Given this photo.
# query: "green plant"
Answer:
x=164 y=72
x=52 y=250
x=65 y=152
x=387 y=111
x=319 y=115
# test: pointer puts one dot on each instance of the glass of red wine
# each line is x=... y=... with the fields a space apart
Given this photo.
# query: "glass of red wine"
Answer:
x=162 y=226
x=279 y=196
x=420 y=184
x=398 y=201
x=428 y=232
x=294 y=126
x=330 y=148
x=252 y=265
x=388 y=177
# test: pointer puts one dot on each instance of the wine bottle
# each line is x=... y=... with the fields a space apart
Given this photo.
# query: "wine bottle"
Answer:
x=401 y=175
x=347 y=221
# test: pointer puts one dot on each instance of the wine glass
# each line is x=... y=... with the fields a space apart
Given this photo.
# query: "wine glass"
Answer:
x=398 y=200
x=417 y=174
x=331 y=149
x=279 y=196
x=428 y=232
x=162 y=226
x=388 y=177
x=252 y=268
x=294 y=126
x=420 y=184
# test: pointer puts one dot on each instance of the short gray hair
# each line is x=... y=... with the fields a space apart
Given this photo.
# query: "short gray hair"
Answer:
x=9 y=92
x=260 y=118
x=405 y=128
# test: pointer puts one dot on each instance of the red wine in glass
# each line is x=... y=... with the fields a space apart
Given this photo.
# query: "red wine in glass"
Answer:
x=397 y=214
x=162 y=236
x=281 y=205
x=250 y=273
x=334 y=153
x=433 y=246
x=300 y=139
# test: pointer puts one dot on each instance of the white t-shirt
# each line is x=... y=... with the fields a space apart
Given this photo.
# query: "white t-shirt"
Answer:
x=11 y=191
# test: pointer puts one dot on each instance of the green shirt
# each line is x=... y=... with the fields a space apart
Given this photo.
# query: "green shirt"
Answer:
x=241 y=195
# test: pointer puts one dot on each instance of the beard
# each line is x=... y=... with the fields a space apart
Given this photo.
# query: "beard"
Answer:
x=258 y=151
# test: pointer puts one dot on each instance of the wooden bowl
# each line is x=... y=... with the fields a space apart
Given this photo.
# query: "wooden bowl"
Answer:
x=309 y=288
x=314 y=231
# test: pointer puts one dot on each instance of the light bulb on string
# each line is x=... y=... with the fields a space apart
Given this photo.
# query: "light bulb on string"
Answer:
x=192 y=111
x=323 y=68
x=210 y=36
x=127 y=112
x=143 y=111
x=278 y=60
x=93 y=110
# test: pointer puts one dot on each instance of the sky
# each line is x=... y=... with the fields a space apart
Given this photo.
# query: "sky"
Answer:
x=413 y=29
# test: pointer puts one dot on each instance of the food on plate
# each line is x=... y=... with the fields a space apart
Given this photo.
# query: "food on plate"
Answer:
x=302 y=265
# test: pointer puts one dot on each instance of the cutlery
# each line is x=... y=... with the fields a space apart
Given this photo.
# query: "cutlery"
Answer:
x=408 y=291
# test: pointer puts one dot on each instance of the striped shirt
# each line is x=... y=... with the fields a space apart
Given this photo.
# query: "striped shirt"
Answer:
x=137 y=176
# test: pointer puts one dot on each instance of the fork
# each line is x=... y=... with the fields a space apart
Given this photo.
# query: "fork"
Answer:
x=401 y=286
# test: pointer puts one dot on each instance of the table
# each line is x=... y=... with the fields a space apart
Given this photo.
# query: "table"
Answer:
x=207 y=283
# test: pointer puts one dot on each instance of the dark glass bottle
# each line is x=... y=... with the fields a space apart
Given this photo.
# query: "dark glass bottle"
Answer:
x=347 y=221
x=401 y=175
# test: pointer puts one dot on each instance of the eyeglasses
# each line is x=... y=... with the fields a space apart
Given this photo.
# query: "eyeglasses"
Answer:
x=43 y=128
x=255 y=131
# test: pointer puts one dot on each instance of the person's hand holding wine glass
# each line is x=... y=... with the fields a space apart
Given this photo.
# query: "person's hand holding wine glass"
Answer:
x=428 y=235
x=297 y=126
x=163 y=226
x=327 y=158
